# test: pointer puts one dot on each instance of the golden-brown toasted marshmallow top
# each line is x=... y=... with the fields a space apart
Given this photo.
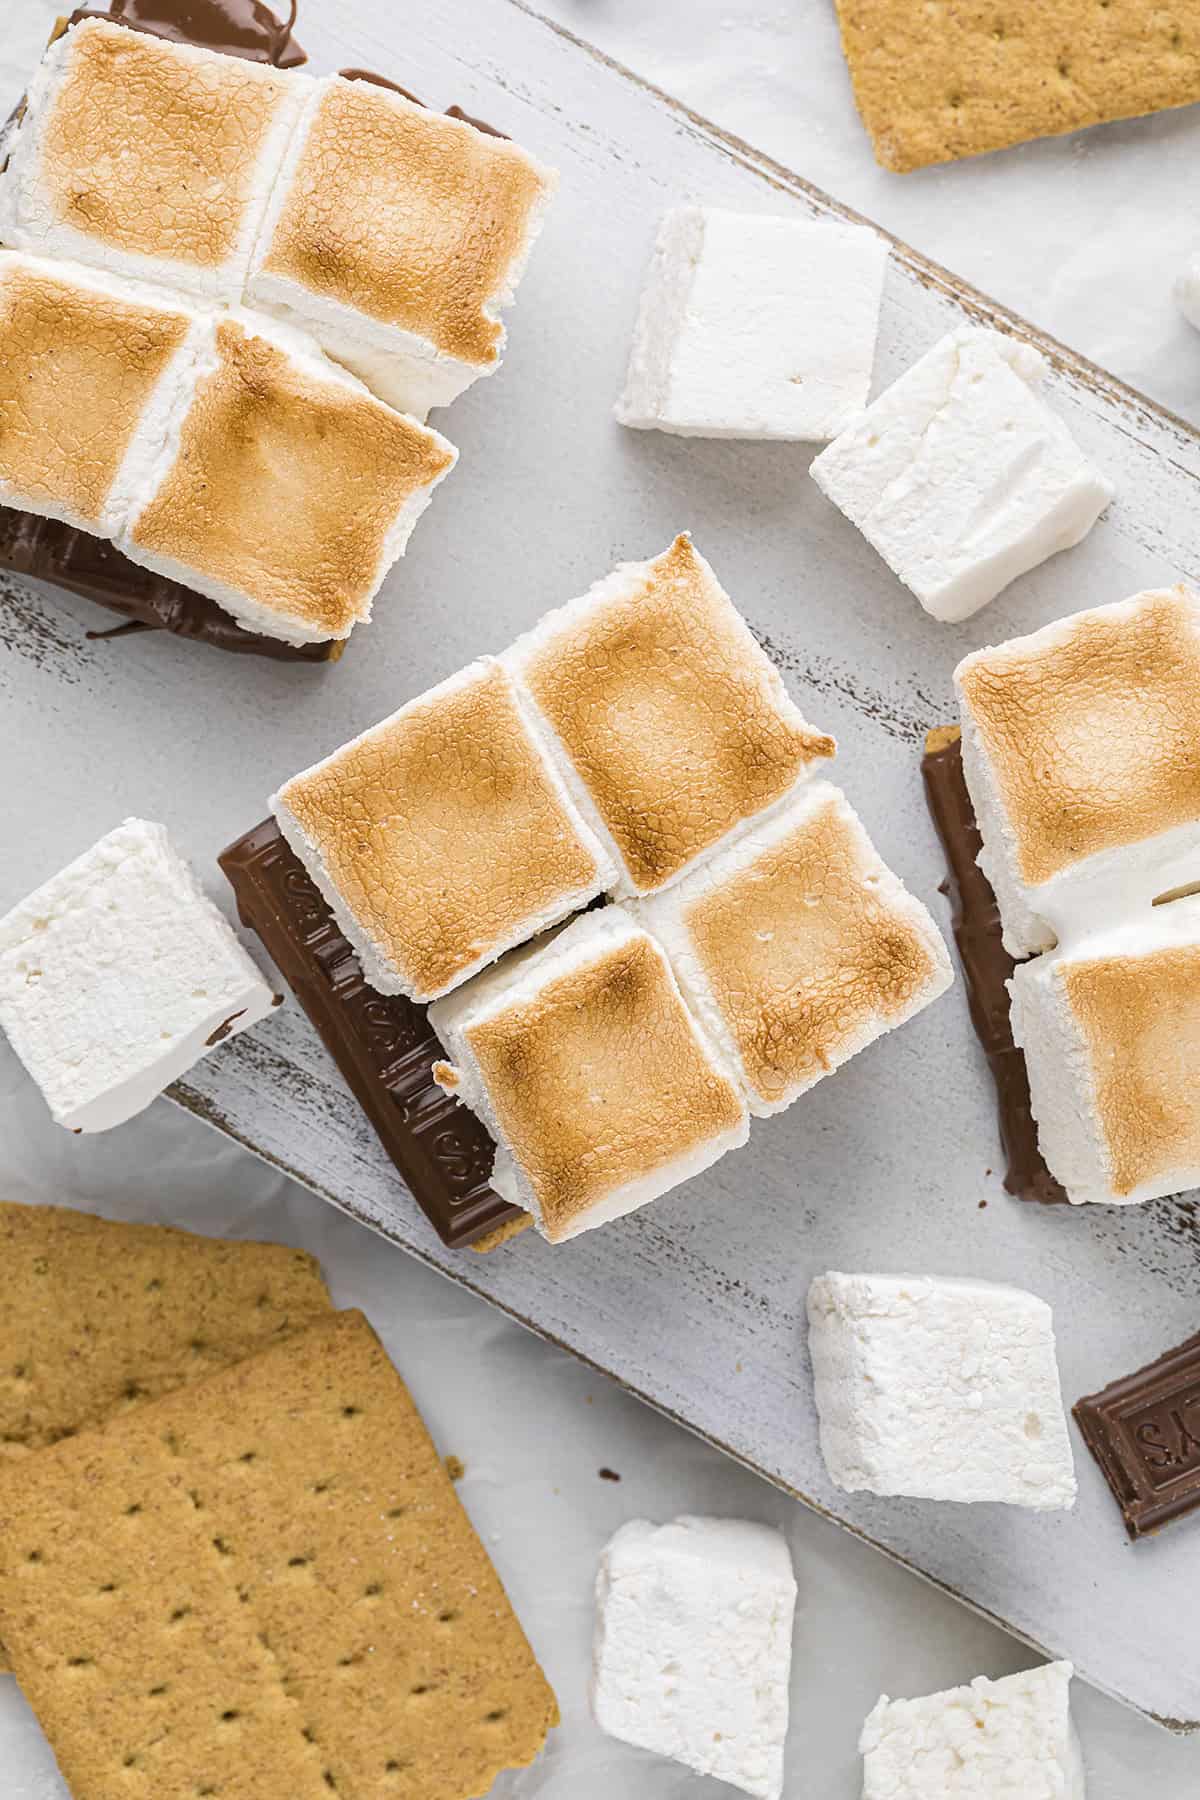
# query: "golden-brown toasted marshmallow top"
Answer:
x=663 y=709
x=443 y=831
x=286 y=485
x=155 y=152
x=800 y=952
x=1092 y=738
x=77 y=368
x=599 y=1079
x=1140 y=1019
x=413 y=218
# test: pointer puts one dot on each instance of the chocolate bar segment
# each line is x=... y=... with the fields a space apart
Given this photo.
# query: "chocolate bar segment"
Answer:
x=986 y=966
x=382 y=1045
x=1144 y=1431
x=246 y=28
x=97 y=571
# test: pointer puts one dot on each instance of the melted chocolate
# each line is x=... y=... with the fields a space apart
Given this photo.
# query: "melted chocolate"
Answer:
x=452 y=112
x=986 y=967
x=235 y=27
x=96 y=570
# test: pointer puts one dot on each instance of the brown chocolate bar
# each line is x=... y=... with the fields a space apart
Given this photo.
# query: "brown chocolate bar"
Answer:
x=245 y=28
x=382 y=1044
x=986 y=966
x=95 y=569
x=1144 y=1432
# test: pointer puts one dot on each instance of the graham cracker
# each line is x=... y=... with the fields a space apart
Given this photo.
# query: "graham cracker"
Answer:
x=936 y=80
x=97 y=1316
x=264 y=1587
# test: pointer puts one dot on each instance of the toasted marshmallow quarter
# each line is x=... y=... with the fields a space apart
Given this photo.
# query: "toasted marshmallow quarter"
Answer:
x=87 y=365
x=961 y=476
x=940 y=1389
x=1011 y=1739
x=596 y=1082
x=798 y=946
x=1110 y=1028
x=671 y=726
x=754 y=326
x=442 y=837
x=151 y=159
x=117 y=975
x=1081 y=752
x=283 y=490
x=395 y=235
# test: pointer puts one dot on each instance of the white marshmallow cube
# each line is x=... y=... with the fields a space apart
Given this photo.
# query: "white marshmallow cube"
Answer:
x=754 y=326
x=1187 y=290
x=960 y=475
x=117 y=975
x=693 y=1646
x=939 y=1389
x=1110 y=1027
x=995 y=1740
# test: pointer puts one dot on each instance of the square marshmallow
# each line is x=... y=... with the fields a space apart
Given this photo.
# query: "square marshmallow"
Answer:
x=1110 y=1027
x=960 y=476
x=671 y=726
x=442 y=837
x=1079 y=751
x=280 y=487
x=940 y=1389
x=117 y=975
x=590 y=1073
x=995 y=1740
x=693 y=1646
x=798 y=947
x=86 y=365
x=755 y=327
x=395 y=235
x=150 y=159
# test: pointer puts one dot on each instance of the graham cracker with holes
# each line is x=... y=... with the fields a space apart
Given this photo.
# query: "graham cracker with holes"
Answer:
x=96 y=1316
x=263 y=1587
x=940 y=79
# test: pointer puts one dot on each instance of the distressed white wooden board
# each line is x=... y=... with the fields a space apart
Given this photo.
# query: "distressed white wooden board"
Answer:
x=696 y=1303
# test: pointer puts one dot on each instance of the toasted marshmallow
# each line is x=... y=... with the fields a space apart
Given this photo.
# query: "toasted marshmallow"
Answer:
x=1110 y=1028
x=151 y=159
x=86 y=365
x=442 y=837
x=798 y=947
x=671 y=726
x=395 y=235
x=281 y=488
x=940 y=1389
x=117 y=975
x=1079 y=752
x=755 y=327
x=961 y=476
x=596 y=1082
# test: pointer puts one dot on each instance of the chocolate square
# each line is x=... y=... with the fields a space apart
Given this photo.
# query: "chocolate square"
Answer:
x=1144 y=1431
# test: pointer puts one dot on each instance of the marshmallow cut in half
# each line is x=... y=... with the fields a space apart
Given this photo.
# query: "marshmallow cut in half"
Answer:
x=1079 y=747
x=755 y=326
x=940 y=1389
x=151 y=159
x=88 y=368
x=119 y=974
x=1011 y=1739
x=596 y=1082
x=671 y=726
x=798 y=946
x=395 y=235
x=442 y=836
x=280 y=488
x=1110 y=1027
x=960 y=475
x=693 y=1646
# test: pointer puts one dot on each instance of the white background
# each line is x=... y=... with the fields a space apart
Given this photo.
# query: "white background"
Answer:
x=1083 y=236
